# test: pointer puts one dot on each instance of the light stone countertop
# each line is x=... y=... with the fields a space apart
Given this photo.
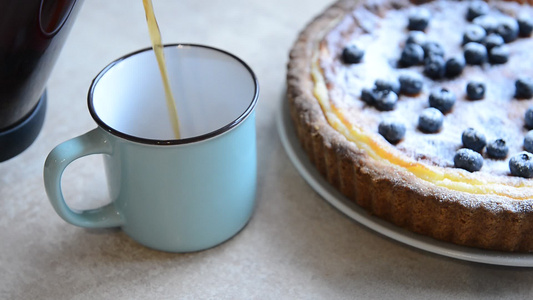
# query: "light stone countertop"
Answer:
x=296 y=246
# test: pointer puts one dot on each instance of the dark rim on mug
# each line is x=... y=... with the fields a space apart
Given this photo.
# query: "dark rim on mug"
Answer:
x=188 y=140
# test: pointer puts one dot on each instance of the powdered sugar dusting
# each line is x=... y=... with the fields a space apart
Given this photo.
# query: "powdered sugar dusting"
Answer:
x=382 y=35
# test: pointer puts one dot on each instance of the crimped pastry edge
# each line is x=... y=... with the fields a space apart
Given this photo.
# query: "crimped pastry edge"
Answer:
x=393 y=194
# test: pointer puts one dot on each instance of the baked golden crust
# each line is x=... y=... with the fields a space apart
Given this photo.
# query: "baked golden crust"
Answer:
x=394 y=194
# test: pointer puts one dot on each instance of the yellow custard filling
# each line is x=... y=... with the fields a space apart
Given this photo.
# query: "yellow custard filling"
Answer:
x=341 y=117
x=450 y=178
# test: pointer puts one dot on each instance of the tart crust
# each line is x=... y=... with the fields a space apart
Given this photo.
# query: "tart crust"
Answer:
x=484 y=221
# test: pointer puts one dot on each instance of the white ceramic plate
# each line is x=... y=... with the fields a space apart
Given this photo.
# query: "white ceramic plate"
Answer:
x=335 y=198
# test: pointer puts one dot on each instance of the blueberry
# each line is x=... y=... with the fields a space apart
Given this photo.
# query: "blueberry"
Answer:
x=474 y=33
x=525 y=25
x=410 y=84
x=386 y=100
x=416 y=37
x=442 y=100
x=473 y=139
x=419 y=19
x=368 y=96
x=412 y=54
x=391 y=85
x=499 y=54
x=392 y=131
x=454 y=66
x=475 y=90
x=508 y=29
x=497 y=149
x=430 y=120
x=476 y=9
x=434 y=67
x=468 y=160
x=524 y=88
x=475 y=53
x=382 y=99
x=432 y=48
x=529 y=117
x=528 y=141
x=522 y=165
x=352 y=54
x=493 y=40
x=488 y=22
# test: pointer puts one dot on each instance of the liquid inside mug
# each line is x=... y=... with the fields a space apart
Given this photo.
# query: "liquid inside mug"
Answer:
x=176 y=195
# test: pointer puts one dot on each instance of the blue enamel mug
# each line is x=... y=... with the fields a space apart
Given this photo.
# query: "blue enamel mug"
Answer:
x=175 y=195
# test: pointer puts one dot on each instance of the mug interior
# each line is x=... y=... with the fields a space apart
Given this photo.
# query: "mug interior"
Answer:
x=213 y=91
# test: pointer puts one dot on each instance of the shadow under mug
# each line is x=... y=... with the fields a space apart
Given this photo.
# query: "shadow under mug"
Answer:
x=176 y=195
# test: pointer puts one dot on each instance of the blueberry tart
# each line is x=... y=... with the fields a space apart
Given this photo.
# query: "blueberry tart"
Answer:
x=423 y=123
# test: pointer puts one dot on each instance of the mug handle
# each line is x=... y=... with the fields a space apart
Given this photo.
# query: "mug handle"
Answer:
x=92 y=142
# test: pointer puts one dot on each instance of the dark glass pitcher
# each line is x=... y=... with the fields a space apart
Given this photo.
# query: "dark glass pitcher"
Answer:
x=32 y=33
